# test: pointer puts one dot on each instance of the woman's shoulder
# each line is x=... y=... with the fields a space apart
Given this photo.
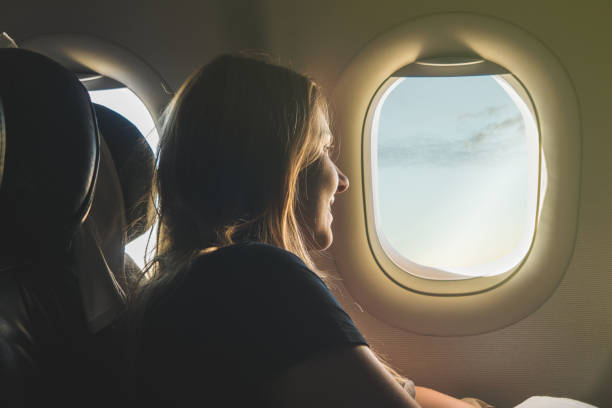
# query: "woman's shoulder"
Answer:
x=252 y=272
x=249 y=252
x=251 y=260
x=257 y=250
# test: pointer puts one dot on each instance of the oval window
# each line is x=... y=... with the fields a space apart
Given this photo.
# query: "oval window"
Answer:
x=455 y=168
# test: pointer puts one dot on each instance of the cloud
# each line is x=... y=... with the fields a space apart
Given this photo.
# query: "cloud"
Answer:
x=494 y=127
x=490 y=142
x=440 y=154
x=489 y=111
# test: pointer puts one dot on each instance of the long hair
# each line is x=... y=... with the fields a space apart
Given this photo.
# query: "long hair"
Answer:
x=237 y=143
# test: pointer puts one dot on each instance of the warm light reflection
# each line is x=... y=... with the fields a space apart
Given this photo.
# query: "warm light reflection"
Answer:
x=455 y=166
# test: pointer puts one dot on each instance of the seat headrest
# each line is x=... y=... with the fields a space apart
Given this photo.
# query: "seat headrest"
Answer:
x=52 y=152
x=135 y=163
x=99 y=248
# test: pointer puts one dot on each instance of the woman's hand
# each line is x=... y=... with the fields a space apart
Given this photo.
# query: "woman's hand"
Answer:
x=429 y=398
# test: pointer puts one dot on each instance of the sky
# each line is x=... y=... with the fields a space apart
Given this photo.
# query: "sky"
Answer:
x=454 y=173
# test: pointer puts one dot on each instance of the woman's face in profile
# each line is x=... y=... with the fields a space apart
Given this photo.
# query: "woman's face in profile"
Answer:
x=323 y=180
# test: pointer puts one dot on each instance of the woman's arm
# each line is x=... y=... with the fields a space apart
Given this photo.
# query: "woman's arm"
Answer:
x=349 y=377
x=429 y=398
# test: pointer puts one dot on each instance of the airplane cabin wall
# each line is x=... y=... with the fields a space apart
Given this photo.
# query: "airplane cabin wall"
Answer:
x=565 y=347
x=174 y=37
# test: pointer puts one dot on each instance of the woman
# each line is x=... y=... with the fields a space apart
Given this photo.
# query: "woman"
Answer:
x=233 y=313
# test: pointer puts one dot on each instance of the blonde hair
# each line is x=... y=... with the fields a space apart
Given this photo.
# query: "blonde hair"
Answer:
x=237 y=141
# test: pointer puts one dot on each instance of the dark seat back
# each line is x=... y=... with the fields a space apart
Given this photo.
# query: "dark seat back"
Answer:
x=49 y=170
x=134 y=162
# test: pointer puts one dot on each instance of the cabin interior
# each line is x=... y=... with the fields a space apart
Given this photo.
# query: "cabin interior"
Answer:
x=544 y=326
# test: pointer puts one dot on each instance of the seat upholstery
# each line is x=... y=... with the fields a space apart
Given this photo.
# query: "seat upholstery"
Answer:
x=50 y=167
x=124 y=187
x=63 y=232
x=51 y=134
x=134 y=162
x=122 y=210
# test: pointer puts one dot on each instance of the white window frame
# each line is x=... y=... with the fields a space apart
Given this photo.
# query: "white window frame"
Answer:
x=453 y=308
x=396 y=266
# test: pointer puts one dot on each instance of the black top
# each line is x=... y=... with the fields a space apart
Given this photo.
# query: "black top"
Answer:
x=239 y=318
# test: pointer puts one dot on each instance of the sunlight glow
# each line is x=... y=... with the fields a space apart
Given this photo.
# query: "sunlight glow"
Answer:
x=455 y=173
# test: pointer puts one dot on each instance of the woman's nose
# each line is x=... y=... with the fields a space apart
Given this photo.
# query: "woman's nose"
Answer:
x=343 y=181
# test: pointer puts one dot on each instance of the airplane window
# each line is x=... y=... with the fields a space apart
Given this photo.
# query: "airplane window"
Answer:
x=125 y=102
x=456 y=173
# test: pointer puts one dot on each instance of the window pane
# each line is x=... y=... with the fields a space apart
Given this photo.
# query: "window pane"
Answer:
x=455 y=165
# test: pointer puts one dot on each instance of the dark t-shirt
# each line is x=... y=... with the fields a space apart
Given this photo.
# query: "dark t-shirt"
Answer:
x=239 y=318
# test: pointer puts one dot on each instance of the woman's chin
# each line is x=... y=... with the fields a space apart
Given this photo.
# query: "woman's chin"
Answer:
x=323 y=240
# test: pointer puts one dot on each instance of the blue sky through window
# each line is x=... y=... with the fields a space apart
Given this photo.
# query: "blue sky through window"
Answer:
x=454 y=173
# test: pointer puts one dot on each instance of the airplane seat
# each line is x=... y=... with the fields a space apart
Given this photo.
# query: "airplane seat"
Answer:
x=135 y=163
x=122 y=211
x=54 y=303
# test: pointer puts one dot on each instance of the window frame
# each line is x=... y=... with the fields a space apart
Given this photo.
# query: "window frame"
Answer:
x=553 y=94
x=393 y=264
